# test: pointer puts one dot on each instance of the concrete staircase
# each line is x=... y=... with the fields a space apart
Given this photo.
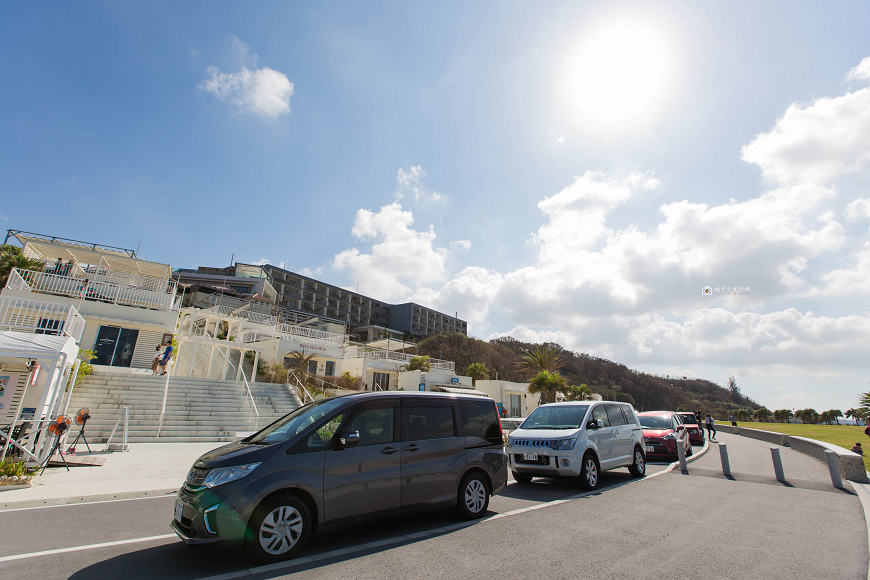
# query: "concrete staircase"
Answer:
x=196 y=409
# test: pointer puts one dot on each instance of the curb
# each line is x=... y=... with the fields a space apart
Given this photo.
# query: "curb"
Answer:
x=80 y=499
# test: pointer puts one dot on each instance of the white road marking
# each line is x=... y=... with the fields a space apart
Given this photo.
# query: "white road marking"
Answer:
x=88 y=547
x=45 y=507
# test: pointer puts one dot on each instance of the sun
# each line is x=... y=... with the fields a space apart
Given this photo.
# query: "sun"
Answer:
x=618 y=77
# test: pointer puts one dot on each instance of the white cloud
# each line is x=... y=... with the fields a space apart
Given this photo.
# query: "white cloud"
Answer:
x=410 y=182
x=316 y=273
x=262 y=262
x=264 y=91
x=858 y=209
x=3 y=217
x=401 y=258
x=816 y=143
x=860 y=72
x=460 y=245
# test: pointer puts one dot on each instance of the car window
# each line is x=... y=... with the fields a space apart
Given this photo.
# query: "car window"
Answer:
x=629 y=415
x=296 y=422
x=428 y=423
x=375 y=426
x=600 y=413
x=655 y=422
x=615 y=415
x=479 y=419
x=323 y=435
x=676 y=422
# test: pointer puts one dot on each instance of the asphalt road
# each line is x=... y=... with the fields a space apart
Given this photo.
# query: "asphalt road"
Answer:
x=669 y=525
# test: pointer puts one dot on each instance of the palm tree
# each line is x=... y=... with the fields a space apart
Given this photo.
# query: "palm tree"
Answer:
x=420 y=363
x=835 y=414
x=853 y=414
x=477 y=371
x=578 y=393
x=548 y=385
x=825 y=417
x=541 y=359
x=762 y=414
x=299 y=361
x=11 y=257
x=782 y=415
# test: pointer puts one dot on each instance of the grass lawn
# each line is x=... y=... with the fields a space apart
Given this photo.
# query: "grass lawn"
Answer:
x=842 y=435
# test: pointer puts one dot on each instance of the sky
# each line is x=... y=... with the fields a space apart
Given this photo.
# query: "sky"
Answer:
x=571 y=172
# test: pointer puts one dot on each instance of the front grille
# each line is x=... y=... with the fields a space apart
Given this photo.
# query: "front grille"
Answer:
x=532 y=443
x=195 y=478
x=186 y=526
x=542 y=459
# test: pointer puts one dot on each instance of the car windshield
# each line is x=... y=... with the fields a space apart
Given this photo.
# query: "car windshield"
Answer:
x=688 y=419
x=656 y=422
x=291 y=425
x=552 y=417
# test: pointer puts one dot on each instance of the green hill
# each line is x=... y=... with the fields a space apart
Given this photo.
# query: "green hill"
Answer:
x=610 y=379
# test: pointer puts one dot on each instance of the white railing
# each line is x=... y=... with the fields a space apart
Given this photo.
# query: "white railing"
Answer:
x=312 y=334
x=108 y=286
x=400 y=357
x=253 y=404
x=39 y=317
x=257 y=317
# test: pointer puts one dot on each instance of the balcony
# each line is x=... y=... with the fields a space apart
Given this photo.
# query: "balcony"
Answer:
x=38 y=317
x=101 y=285
x=400 y=357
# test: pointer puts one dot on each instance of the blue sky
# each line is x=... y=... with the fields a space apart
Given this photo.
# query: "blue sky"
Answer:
x=541 y=168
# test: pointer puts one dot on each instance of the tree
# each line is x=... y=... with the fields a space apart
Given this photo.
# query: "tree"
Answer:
x=578 y=393
x=734 y=389
x=548 y=384
x=541 y=359
x=477 y=371
x=853 y=414
x=864 y=405
x=809 y=416
x=762 y=414
x=742 y=415
x=825 y=417
x=835 y=415
x=299 y=362
x=349 y=381
x=420 y=363
x=11 y=257
x=782 y=415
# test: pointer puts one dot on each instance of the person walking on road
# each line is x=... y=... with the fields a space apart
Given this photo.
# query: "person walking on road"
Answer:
x=711 y=427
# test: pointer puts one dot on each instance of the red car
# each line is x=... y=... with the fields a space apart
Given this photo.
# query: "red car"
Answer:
x=662 y=432
x=693 y=426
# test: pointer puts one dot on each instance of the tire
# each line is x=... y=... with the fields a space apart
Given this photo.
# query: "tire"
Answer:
x=689 y=451
x=638 y=465
x=590 y=473
x=473 y=497
x=521 y=477
x=286 y=514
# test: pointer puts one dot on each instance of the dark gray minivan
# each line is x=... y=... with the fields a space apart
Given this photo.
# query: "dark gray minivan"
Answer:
x=344 y=460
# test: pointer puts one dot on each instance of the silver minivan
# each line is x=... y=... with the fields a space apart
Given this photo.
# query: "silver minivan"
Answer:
x=578 y=440
x=340 y=461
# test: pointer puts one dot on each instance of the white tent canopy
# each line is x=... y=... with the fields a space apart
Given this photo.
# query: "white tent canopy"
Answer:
x=461 y=391
x=24 y=345
x=52 y=250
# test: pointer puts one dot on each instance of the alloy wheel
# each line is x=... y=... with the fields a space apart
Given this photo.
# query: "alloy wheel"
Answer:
x=475 y=496
x=591 y=472
x=280 y=530
x=638 y=460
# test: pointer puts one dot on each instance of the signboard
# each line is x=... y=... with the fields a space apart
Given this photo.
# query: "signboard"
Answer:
x=422 y=386
x=454 y=381
x=8 y=383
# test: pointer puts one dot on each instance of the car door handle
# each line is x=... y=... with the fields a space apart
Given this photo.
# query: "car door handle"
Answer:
x=412 y=447
x=388 y=450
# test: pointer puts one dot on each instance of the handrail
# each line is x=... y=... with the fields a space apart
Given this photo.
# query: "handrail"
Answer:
x=165 y=392
x=253 y=404
x=299 y=383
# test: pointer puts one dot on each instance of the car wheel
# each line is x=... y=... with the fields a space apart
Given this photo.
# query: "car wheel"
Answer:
x=279 y=527
x=473 y=496
x=589 y=473
x=638 y=466
x=521 y=477
x=689 y=451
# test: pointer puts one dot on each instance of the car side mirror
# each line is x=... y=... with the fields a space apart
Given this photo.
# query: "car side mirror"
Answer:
x=599 y=424
x=680 y=427
x=349 y=438
x=590 y=424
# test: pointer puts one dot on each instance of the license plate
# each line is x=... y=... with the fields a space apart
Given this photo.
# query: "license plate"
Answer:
x=179 y=508
x=530 y=456
x=650 y=449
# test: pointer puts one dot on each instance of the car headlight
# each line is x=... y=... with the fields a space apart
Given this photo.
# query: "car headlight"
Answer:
x=226 y=474
x=511 y=441
x=562 y=444
x=669 y=436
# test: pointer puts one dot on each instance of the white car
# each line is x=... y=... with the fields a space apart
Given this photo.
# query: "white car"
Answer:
x=577 y=439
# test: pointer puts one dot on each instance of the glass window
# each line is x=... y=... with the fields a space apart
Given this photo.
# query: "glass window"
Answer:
x=656 y=422
x=599 y=413
x=557 y=417
x=614 y=413
x=479 y=419
x=312 y=367
x=516 y=409
x=375 y=426
x=629 y=415
x=428 y=423
x=115 y=346
x=323 y=435
x=381 y=381
x=330 y=368
x=293 y=424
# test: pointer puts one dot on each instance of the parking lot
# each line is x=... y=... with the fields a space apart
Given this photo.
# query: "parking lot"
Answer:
x=664 y=524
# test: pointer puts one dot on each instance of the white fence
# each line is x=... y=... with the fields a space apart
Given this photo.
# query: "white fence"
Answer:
x=104 y=285
x=22 y=314
x=357 y=352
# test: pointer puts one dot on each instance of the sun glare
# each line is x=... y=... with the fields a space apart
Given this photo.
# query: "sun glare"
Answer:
x=618 y=78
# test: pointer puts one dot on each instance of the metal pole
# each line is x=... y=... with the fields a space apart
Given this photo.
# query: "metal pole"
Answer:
x=777 y=464
x=834 y=468
x=723 y=455
x=681 y=454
